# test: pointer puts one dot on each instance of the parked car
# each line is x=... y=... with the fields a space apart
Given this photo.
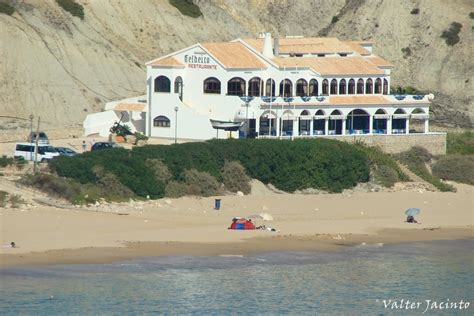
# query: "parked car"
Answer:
x=104 y=145
x=27 y=151
x=42 y=138
x=64 y=151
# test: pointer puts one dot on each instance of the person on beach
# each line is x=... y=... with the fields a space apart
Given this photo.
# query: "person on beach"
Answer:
x=12 y=244
x=411 y=219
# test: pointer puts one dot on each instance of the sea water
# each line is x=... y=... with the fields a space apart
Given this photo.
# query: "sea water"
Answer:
x=367 y=279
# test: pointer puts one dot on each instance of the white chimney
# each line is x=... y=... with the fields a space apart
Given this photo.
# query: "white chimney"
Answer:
x=267 y=46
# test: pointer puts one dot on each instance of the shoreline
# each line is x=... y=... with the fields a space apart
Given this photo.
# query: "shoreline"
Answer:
x=276 y=243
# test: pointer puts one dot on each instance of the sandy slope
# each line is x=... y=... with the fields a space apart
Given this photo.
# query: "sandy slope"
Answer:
x=192 y=221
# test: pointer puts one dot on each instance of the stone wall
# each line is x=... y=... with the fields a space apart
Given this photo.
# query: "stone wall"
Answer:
x=435 y=143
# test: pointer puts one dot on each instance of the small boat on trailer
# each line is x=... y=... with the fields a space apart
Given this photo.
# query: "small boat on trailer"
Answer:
x=226 y=125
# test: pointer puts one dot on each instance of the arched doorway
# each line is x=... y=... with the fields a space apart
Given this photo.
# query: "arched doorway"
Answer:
x=368 y=86
x=378 y=86
x=335 y=123
x=286 y=88
x=351 y=86
x=267 y=123
x=325 y=87
x=270 y=88
x=319 y=123
x=360 y=86
x=418 y=121
x=236 y=86
x=358 y=122
x=313 y=87
x=301 y=88
x=178 y=87
x=380 y=122
x=399 y=121
x=385 y=86
x=287 y=119
x=304 y=127
x=255 y=87
x=342 y=86
x=333 y=86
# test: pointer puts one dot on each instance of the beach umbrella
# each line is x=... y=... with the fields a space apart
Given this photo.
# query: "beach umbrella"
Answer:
x=412 y=211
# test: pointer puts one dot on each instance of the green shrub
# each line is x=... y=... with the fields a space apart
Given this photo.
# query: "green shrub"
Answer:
x=459 y=168
x=235 y=178
x=6 y=8
x=382 y=166
x=175 y=189
x=59 y=187
x=334 y=19
x=471 y=15
x=451 y=35
x=415 y=11
x=6 y=161
x=200 y=183
x=109 y=182
x=159 y=169
x=72 y=7
x=3 y=198
x=406 y=52
x=16 y=201
x=289 y=165
x=416 y=159
x=386 y=176
x=460 y=143
x=187 y=7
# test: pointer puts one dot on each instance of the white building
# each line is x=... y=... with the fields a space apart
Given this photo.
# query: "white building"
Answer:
x=299 y=87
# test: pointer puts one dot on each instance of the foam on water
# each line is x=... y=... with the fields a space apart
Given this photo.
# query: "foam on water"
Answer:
x=353 y=281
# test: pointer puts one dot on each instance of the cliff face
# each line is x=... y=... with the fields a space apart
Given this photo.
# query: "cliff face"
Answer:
x=62 y=68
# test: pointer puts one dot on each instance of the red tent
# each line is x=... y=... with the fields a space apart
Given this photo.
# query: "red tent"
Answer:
x=241 y=223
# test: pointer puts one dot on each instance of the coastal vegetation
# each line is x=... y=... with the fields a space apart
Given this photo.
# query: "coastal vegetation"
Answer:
x=460 y=143
x=451 y=35
x=417 y=159
x=6 y=8
x=11 y=200
x=72 y=7
x=209 y=168
x=459 y=168
x=384 y=168
x=187 y=7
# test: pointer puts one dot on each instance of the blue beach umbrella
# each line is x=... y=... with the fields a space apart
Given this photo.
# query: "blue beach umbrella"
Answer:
x=412 y=211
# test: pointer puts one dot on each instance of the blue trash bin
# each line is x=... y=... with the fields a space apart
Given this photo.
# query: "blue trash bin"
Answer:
x=217 y=204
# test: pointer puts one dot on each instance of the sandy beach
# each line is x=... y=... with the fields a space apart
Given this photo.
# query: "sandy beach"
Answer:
x=189 y=225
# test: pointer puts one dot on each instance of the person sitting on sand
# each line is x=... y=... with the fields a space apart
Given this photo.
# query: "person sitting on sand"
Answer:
x=12 y=244
x=411 y=219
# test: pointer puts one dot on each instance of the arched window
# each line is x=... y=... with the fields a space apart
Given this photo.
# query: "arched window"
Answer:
x=161 y=121
x=418 y=111
x=212 y=85
x=380 y=111
x=313 y=87
x=236 y=86
x=162 y=84
x=400 y=111
x=320 y=113
x=336 y=112
x=325 y=87
x=270 y=88
x=342 y=86
x=333 y=86
x=351 y=86
x=360 y=86
x=378 y=85
x=368 y=86
x=301 y=87
x=286 y=88
x=178 y=85
x=255 y=87
x=385 y=86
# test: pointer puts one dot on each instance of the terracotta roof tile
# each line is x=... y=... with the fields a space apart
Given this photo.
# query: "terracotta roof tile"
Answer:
x=138 y=107
x=314 y=45
x=168 y=62
x=357 y=48
x=331 y=65
x=378 y=61
x=234 y=55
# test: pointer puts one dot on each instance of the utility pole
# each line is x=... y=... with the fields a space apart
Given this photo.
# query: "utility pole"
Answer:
x=35 y=162
x=31 y=127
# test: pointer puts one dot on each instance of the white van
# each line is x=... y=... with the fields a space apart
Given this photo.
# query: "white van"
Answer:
x=27 y=152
